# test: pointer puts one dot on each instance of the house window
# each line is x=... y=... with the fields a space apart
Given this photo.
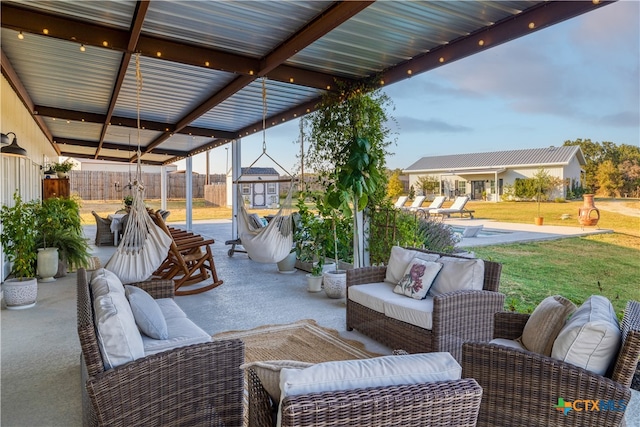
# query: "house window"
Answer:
x=271 y=188
x=246 y=189
x=493 y=186
x=462 y=188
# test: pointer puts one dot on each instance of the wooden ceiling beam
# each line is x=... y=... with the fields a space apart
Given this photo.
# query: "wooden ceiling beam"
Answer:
x=134 y=34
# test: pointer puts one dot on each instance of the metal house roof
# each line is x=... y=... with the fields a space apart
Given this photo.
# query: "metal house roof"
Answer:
x=498 y=160
x=203 y=62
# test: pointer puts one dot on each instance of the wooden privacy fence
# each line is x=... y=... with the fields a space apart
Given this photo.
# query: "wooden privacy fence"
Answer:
x=103 y=185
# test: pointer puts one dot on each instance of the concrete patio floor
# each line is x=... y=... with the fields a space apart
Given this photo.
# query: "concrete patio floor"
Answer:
x=40 y=348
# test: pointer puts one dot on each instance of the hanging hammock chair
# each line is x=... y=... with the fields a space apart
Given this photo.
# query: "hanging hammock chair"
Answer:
x=273 y=242
x=270 y=243
x=144 y=245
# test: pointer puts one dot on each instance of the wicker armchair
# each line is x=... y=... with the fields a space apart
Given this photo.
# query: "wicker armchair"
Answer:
x=104 y=236
x=446 y=403
x=457 y=317
x=522 y=388
x=194 y=385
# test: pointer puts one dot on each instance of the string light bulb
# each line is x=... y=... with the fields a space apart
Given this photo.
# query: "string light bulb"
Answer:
x=82 y=48
x=20 y=35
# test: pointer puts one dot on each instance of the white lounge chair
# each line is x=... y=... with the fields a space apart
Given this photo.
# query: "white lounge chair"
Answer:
x=457 y=207
x=401 y=201
x=436 y=203
x=417 y=203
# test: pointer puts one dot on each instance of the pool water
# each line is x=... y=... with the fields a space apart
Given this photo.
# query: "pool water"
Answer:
x=481 y=233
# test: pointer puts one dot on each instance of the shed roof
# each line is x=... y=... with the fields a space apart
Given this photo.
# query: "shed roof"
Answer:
x=495 y=160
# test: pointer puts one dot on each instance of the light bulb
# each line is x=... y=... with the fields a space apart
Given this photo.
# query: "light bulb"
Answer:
x=82 y=48
x=20 y=35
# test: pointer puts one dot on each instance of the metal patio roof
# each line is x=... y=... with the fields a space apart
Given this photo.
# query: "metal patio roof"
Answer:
x=203 y=62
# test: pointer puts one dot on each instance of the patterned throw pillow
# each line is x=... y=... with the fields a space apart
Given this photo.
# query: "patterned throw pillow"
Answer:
x=417 y=278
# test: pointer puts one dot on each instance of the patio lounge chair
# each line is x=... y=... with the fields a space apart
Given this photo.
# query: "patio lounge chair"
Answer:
x=417 y=203
x=524 y=388
x=457 y=207
x=401 y=201
x=435 y=204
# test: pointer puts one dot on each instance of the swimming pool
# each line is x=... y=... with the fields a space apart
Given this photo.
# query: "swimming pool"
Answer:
x=481 y=233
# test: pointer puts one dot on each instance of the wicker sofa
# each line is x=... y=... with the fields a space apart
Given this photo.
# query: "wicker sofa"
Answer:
x=451 y=402
x=198 y=384
x=523 y=388
x=459 y=316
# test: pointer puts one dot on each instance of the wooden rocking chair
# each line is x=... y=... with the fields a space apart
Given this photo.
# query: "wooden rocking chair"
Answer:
x=189 y=261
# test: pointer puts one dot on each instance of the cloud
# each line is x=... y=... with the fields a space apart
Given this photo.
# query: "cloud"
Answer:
x=408 y=124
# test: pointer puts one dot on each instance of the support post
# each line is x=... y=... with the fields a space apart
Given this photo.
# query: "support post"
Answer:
x=236 y=170
x=189 y=192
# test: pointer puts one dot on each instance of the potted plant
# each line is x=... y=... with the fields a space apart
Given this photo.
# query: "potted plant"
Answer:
x=19 y=243
x=310 y=239
x=288 y=264
x=543 y=184
x=60 y=226
x=62 y=169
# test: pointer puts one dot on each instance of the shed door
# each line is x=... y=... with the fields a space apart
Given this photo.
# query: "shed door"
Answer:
x=259 y=194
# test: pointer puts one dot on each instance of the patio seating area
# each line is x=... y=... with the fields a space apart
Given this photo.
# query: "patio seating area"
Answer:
x=252 y=295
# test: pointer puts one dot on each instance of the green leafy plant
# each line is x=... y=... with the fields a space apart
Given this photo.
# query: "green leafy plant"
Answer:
x=63 y=167
x=19 y=236
x=310 y=236
x=128 y=200
x=59 y=225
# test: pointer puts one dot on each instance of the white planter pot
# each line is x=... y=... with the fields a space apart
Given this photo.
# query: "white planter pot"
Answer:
x=335 y=283
x=20 y=294
x=287 y=265
x=47 y=264
x=62 y=174
x=314 y=283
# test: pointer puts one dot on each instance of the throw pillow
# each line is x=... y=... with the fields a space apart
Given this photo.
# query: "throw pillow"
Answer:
x=458 y=274
x=118 y=337
x=269 y=373
x=104 y=281
x=545 y=323
x=417 y=278
x=400 y=259
x=591 y=337
x=147 y=313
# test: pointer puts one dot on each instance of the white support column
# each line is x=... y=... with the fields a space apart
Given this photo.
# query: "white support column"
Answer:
x=163 y=187
x=236 y=169
x=189 y=191
x=496 y=187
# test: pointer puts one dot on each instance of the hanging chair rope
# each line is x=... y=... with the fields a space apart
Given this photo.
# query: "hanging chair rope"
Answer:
x=144 y=245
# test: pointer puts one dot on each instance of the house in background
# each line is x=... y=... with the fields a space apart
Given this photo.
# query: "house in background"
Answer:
x=259 y=187
x=489 y=173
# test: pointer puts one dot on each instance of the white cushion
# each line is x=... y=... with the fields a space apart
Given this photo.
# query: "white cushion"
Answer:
x=591 y=337
x=375 y=372
x=417 y=278
x=182 y=332
x=269 y=373
x=146 y=313
x=398 y=261
x=415 y=312
x=118 y=336
x=458 y=274
x=372 y=295
x=169 y=308
x=104 y=281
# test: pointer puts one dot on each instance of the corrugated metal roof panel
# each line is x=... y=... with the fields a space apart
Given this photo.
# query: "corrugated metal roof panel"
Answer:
x=182 y=142
x=164 y=97
x=117 y=14
x=238 y=110
x=246 y=27
x=496 y=159
x=87 y=88
x=128 y=137
x=73 y=129
x=389 y=32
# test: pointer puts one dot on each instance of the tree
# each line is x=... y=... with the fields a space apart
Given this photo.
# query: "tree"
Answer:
x=609 y=179
x=394 y=185
x=630 y=171
x=428 y=184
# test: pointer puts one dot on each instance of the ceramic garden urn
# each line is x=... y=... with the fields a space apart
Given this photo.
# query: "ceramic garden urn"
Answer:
x=588 y=214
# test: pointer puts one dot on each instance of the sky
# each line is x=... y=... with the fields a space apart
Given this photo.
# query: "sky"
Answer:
x=576 y=79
